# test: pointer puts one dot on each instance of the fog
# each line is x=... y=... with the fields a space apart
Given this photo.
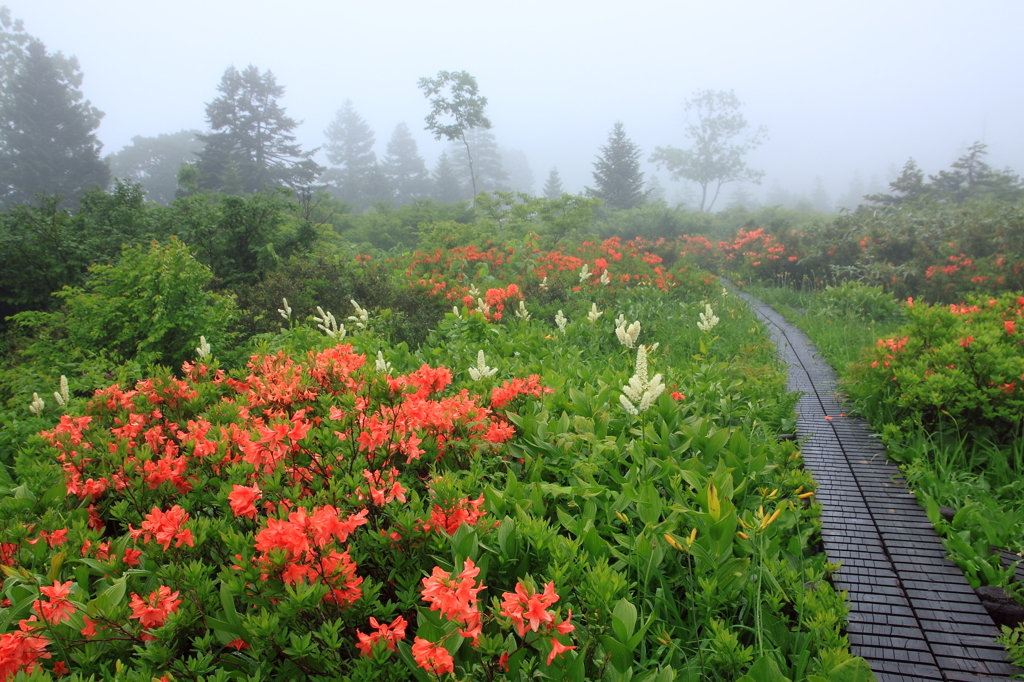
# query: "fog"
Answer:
x=848 y=91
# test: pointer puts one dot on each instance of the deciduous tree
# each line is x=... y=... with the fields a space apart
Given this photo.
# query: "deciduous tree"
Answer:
x=153 y=162
x=456 y=108
x=721 y=138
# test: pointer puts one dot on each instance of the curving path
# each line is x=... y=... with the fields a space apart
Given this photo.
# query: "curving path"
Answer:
x=913 y=615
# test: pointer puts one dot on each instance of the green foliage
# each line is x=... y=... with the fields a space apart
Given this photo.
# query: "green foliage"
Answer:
x=239 y=238
x=1013 y=640
x=857 y=301
x=398 y=230
x=681 y=537
x=957 y=368
x=46 y=247
x=151 y=307
x=405 y=315
x=937 y=244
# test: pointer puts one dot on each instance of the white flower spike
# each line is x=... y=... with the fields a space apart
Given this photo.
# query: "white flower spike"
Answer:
x=627 y=335
x=708 y=319
x=204 y=349
x=37 y=404
x=584 y=273
x=560 y=321
x=361 y=318
x=481 y=371
x=285 y=312
x=522 y=313
x=64 y=395
x=328 y=325
x=638 y=395
x=594 y=313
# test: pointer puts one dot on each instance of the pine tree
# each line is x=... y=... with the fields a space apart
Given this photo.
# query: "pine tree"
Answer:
x=404 y=169
x=448 y=188
x=48 y=143
x=516 y=165
x=553 y=186
x=356 y=177
x=251 y=143
x=620 y=183
x=489 y=172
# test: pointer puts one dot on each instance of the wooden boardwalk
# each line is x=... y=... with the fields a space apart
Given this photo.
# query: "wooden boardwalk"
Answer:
x=913 y=615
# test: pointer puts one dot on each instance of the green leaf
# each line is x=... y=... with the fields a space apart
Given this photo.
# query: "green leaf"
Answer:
x=623 y=620
x=765 y=669
x=622 y=658
x=852 y=670
x=228 y=602
x=110 y=597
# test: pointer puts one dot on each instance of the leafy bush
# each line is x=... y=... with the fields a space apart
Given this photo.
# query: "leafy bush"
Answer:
x=957 y=367
x=152 y=307
x=855 y=300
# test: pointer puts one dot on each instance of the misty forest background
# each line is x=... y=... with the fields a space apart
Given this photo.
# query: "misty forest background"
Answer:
x=262 y=213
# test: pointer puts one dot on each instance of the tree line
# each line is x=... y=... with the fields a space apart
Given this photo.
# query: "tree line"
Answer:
x=48 y=144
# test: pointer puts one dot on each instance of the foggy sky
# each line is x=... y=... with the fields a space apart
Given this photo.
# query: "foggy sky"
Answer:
x=844 y=88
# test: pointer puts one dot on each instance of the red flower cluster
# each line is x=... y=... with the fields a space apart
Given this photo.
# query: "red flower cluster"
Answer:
x=57 y=608
x=509 y=390
x=432 y=657
x=165 y=527
x=390 y=634
x=529 y=613
x=152 y=612
x=303 y=548
x=448 y=518
x=21 y=650
x=456 y=598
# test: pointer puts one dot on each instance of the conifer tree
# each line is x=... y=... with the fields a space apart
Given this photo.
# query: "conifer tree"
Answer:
x=488 y=169
x=404 y=169
x=356 y=178
x=553 y=186
x=251 y=144
x=617 y=176
x=448 y=188
x=48 y=144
